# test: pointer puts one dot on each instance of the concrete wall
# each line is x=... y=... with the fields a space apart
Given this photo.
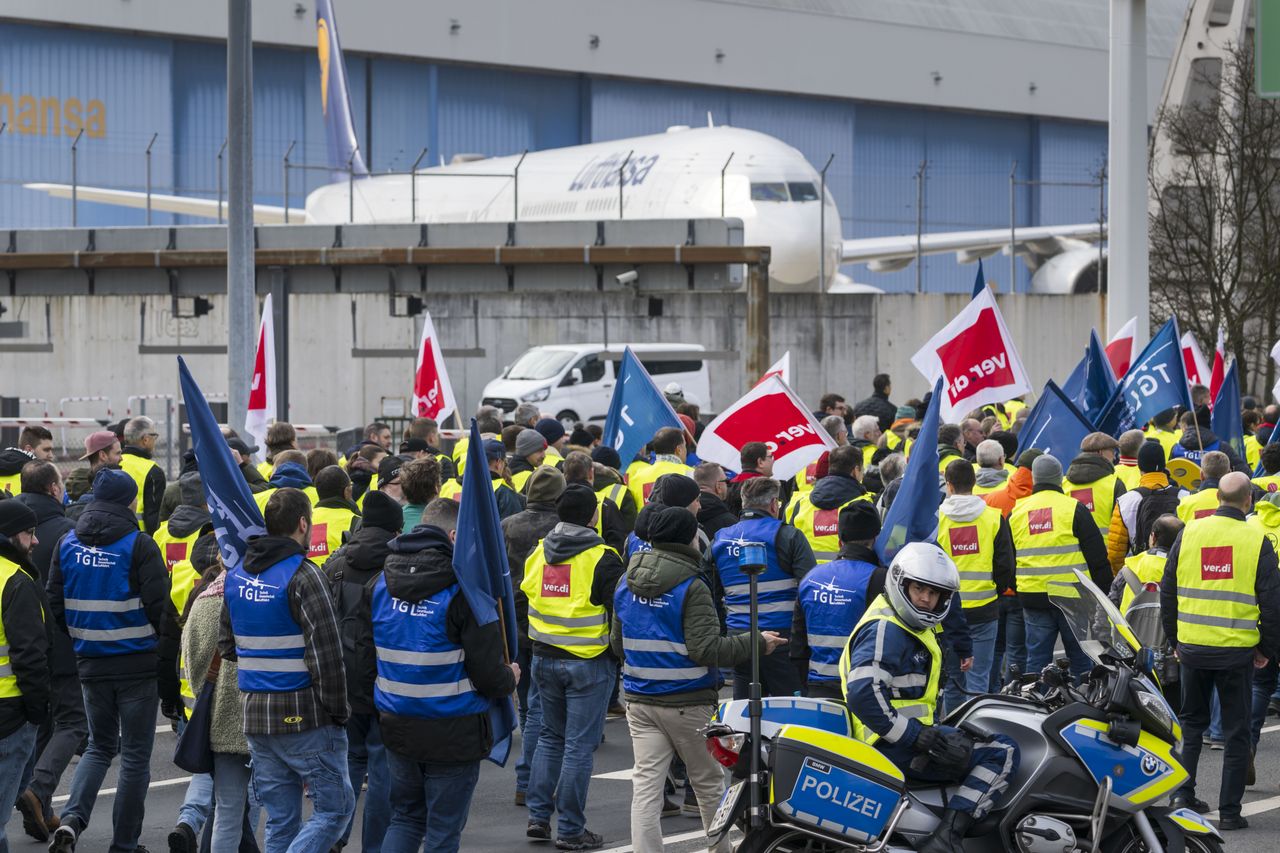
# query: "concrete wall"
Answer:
x=837 y=342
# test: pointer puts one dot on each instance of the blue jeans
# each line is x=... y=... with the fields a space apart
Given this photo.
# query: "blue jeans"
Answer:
x=198 y=805
x=1264 y=686
x=122 y=721
x=281 y=764
x=231 y=775
x=1011 y=644
x=15 y=751
x=1214 y=732
x=574 y=695
x=530 y=730
x=431 y=800
x=1043 y=629
x=367 y=755
x=977 y=679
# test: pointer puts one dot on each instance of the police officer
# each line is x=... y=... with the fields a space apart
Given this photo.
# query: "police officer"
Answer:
x=816 y=513
x=890 y=672
x=832 y=598
x=436 y=671
x=1220 y=602
x=978 y=540
x=788 y=558
x=140 y=437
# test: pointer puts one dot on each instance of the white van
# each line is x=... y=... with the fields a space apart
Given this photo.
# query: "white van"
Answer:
x=574 y=382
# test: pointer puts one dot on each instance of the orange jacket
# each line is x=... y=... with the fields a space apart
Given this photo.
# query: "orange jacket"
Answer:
x=1018 y=486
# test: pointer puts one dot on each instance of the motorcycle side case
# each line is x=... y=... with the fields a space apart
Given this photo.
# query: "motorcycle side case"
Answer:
x=833 y=783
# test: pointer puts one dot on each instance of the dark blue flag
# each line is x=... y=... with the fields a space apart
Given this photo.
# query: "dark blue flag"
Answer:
x=913 y=517
x=1271 y=439
x=1054 y=426
x=637 y=411
x=1226 y=422
x=980 y=280
x=1090 y=385
x=480 y=563
x=1157 y=380
x=235 y=515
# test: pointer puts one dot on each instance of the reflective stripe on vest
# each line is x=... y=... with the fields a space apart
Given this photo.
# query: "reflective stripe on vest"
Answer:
x=776 y=588
x=138 y=467
x=821 y=526
x=269 y=642
x=327 y=526
x=421 y=672
x=833 y=597
x=560 y=610
x=971 y=546
x=1047 y=550
x=175 y=549
x=1217 y=572
x=920 y=708
x=612 y=493
x=1202 y=504
x=104 y=616
x=656 y=661
x=1099 y=497
x=1140 y=570
x=8 y=681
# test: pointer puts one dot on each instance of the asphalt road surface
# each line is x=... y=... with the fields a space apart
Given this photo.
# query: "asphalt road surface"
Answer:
x=496 y=824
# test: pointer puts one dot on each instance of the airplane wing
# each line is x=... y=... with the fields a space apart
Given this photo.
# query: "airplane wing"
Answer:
x=888 y=254
x=263 y=214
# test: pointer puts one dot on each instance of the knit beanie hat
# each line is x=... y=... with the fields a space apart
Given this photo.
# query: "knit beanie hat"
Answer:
x=552 y=430
x=576 y=504
x=859 y=522
x=1150 y=457
x=383 y=512
x=666 y=524
x=529 y=442
x=1046 y=470
x=606 y=455
x=546 y=484
x=15 y=517
x=204 y=553
x=114 y=486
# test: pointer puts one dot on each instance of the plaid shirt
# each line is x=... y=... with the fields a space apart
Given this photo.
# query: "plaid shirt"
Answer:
x=325 y=701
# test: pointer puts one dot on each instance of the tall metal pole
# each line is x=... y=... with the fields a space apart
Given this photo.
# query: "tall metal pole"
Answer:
x=1013 y=227
x=287 y=152
x=822 y=232
x=280 y=322
x=220 y=150
x=148 y=156
x=1128 y=292
x=413 y=187
x=74 y=178
x=622 y=180
x=515 y=187
x=351 y=185
x=240 y=264
x=920 y=225
x=724 y=169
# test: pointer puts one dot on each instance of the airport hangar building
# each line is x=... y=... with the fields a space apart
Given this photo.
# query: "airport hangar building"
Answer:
x=973 y=93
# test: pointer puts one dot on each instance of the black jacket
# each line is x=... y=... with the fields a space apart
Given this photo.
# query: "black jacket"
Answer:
x=831 y=491
x=522 y=532
x=24 y=616
x=562 y=544
x=714 y=515
x=509 y=502
x=351 y=568
x=419 y=566
x=152 y=494
x=1266 y=589
x=1092 y=546
x=103 y=523
x=878 y=405
x=51 y=525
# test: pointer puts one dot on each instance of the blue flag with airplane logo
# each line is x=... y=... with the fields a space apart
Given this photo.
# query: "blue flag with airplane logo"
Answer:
x=1157 y=380
x=1054 y=426
x=231 y=506
x=636 y=411
x=1090 y=385
x=913 y=517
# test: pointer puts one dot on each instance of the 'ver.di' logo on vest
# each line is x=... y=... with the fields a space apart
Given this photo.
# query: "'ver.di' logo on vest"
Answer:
x=555 y=580
x=1216 y=563
x=1040 y=520
x=964 y=541
x=1085 y=496
x=319 y=540
x=826 y=522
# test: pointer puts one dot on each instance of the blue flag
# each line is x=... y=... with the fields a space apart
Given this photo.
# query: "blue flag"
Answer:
x=1226 y=422
x=637 y=411
x=913 y=517
x=1090 y=385
x=980 y=280
x=235 y=515
x=1054 y=426
x=1271 y=439
x=480 y=563
x=1157 y=380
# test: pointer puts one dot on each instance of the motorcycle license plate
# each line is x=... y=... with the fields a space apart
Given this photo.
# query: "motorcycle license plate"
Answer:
x=728 y=808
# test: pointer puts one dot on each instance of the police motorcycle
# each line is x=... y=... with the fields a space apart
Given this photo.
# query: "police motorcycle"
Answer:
x=1096 y=760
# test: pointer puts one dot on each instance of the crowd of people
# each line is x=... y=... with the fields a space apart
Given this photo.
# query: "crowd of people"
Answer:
x=341 y=660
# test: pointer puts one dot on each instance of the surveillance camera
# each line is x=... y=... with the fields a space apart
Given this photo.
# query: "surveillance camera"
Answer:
x=628 y=277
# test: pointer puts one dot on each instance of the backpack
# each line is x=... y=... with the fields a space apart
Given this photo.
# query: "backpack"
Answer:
x=1155 y=503
x=347 y=596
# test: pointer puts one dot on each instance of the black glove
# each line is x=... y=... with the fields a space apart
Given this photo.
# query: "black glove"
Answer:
x=952 y=752
x=173 y=711
x=926 y=739
x=169 y=688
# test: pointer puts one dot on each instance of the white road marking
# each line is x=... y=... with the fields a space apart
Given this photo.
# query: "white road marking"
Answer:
x=666 y=839
x=619 y=775
x=106 y=792
x=1275 y=728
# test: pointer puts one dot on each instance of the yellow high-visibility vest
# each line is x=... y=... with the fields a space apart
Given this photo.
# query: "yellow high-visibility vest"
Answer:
x=8 y=681
x=560 y=610
x=641 y=482
x=11 y=483
x=820 y=526
x=175 y=549
x=1099 y=497
x=1129 y=475
x=1138 y=571
x=1269 y=483
x=327 y=526
x=138 y=467
x=1217 y=572
x=971 y=546
x=261 y=498
x=1047 y=549
x=1199 y=505
x=613 y=493
x=1252 y=451
x=920 y=709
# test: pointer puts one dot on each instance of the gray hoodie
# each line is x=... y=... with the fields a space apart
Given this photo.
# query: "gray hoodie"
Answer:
x=992 y=478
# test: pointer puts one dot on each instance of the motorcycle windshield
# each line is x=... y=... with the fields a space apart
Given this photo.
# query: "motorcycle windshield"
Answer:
x=1095 y=622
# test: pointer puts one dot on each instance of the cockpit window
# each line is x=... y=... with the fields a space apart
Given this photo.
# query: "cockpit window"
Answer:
x=769 y=192
x=803 y=191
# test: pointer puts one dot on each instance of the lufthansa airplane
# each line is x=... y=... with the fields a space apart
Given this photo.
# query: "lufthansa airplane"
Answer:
x=679 y=174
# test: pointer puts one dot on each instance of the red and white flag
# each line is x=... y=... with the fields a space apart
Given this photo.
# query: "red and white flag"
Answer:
x=781 y=368
x=432 y=393
x=770 y=412
x=975 y=356
x=1193 y=360
x=262 y=386
x=1120 y=348
x=1219 y=367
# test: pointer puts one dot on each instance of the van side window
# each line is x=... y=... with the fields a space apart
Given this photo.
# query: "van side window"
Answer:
x=592 y=369
x=659 y=367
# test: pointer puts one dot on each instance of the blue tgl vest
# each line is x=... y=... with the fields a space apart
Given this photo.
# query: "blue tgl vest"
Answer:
x=1180 y=452
x=635 y=545
x=776 y=588
x=833 y=597
x=104 y=617
x=269 y=644
x=656 y=661
x=421 y=672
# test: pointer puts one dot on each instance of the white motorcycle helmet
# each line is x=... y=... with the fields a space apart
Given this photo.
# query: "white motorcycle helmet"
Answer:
x=924 y=563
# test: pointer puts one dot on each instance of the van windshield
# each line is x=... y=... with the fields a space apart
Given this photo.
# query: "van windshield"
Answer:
x=540 y=364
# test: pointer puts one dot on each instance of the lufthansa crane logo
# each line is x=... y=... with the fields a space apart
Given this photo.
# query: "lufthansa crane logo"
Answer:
x=322 y=48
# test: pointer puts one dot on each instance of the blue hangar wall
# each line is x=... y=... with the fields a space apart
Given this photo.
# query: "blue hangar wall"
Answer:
x=121 y=89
